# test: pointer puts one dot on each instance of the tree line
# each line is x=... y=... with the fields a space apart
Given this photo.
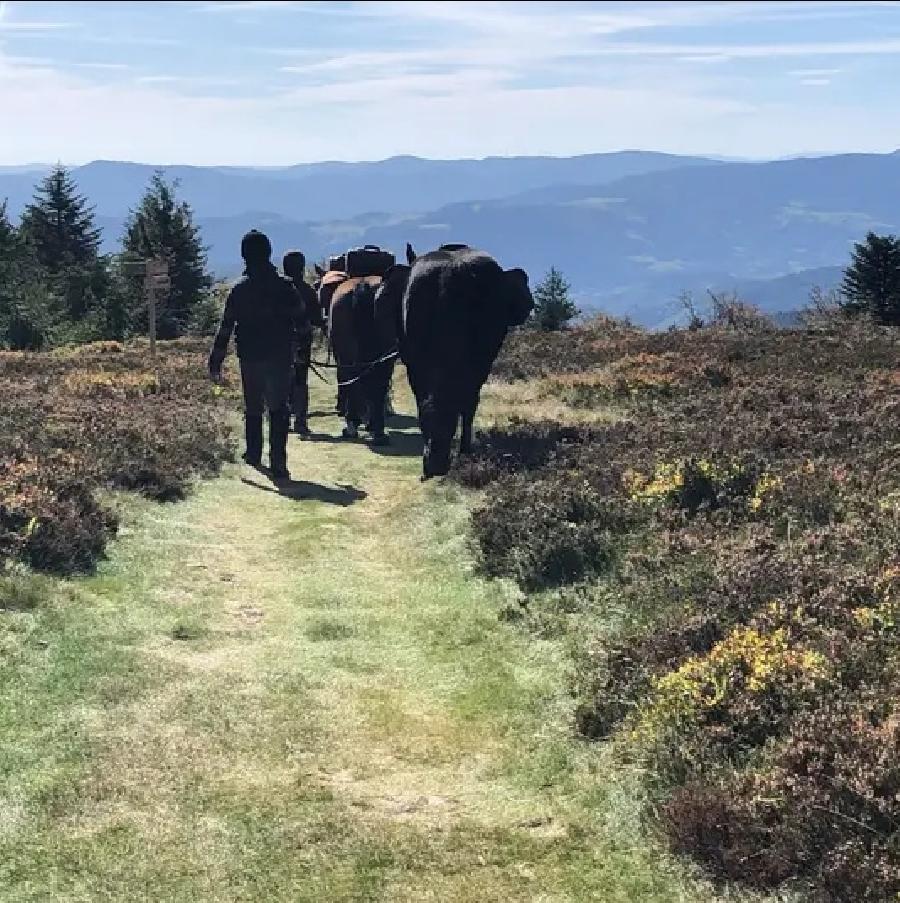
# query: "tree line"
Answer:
x=56 y=286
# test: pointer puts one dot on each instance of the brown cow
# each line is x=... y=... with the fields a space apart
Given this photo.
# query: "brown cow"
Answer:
x=363 y=337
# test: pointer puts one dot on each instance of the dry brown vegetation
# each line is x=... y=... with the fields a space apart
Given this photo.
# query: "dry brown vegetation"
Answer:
x=95 y=416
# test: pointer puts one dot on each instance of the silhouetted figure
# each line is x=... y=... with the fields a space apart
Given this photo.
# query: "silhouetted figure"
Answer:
x=294 y=265
x=265 y=312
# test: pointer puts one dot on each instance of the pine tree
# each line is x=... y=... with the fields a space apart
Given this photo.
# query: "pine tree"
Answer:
x=553 y=308
x=161 y=226
x=28 y=309
x=59 y=224
x=59 y=228
x=872 y=281
x=9 y=262
x=8 y=234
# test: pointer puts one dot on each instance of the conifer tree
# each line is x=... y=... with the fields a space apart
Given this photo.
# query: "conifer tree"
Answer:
x=162 y=226
x=871 y=283
x=58 y=225
x=28 y=309
x=553 y=308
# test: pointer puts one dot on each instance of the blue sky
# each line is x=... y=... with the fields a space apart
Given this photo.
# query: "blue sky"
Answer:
x=274 y=82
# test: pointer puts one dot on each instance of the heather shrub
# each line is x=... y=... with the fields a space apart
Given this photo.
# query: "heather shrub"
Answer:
x=83 y=418
x=525 y=447
x=547 y=535
x=823 y=807
x=732 y=529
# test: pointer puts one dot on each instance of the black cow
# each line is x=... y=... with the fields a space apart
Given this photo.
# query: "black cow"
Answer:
x=457 y=306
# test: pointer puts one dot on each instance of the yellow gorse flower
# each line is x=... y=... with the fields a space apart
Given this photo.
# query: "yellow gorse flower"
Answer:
x=746 y=661
x=131 y=384
x=765 y=485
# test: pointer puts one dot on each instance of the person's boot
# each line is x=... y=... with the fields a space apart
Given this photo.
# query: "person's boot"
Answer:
x=253 y=436
x=279 y=426
x=375 y=425
x=301 y=408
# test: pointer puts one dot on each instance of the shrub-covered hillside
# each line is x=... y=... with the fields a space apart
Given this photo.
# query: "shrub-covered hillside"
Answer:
x=724 y=553
x=97 y=416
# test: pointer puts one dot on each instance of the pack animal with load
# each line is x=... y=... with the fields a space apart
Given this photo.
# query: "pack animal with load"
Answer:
x=361 y=337
x=454 y=307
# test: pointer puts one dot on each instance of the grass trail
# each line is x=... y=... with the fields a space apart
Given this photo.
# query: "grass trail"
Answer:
x=302 y=696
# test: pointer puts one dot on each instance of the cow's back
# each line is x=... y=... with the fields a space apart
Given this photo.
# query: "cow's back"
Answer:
x=343 y=330
x=453 y=318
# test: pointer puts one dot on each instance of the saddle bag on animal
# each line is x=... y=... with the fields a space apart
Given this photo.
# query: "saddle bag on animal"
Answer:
x=337 y=264
x=369 y=261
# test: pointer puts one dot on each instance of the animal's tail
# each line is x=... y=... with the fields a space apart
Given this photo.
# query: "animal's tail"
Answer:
x=363 y=305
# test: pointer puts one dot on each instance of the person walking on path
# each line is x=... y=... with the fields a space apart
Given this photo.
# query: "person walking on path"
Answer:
x=294 y=266
x=265 y=312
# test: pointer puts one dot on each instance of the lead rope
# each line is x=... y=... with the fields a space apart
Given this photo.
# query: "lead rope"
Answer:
x=369 y=365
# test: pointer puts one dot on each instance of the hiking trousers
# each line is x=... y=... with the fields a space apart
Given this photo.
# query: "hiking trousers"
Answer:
x=300 y=383
x=267 y=385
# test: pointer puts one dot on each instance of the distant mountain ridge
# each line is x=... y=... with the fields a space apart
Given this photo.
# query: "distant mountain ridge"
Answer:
x=334 y=190
x=629 y=230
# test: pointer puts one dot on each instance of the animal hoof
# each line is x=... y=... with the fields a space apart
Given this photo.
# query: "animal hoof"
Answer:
x=350 y=432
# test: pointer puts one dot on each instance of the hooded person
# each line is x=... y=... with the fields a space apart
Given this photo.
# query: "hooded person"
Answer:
x=294 y=266
x=266 y=313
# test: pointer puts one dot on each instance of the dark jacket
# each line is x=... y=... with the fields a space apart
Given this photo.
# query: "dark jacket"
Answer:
x=266 y=313
x=311 y=304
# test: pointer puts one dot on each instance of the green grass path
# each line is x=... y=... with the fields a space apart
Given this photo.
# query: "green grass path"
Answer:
x=301 y=697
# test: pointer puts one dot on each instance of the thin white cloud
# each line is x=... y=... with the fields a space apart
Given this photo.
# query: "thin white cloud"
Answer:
x=187 y=80
x=21 y=25
x=815 y=82
x=9 y=23
x=886 y=47
x=503 y=14
x=704 y=58
x=34 y=26
x=814 y=73
x=28 y=62
x=102 y=67
x=157 y=79
x=134 y=41
x=254 y=6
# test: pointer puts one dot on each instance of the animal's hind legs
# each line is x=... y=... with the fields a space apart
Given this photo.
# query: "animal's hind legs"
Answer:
x=468 y=418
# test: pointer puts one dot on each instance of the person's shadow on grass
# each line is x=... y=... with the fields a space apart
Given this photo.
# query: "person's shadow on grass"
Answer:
x=305 y=491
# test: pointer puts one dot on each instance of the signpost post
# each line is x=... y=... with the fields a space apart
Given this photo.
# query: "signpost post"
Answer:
x=156 y=286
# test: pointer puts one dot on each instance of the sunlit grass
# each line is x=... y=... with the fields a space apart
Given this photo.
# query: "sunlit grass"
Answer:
x=265 y=698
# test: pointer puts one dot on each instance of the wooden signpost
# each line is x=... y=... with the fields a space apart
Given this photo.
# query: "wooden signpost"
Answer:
x=157 y=285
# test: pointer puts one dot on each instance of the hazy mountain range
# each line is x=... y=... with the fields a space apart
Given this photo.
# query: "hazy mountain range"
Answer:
x=630 y=230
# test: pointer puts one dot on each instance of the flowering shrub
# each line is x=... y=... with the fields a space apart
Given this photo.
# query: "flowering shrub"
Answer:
x=99 y=382
x=698 y=483
x=725 y=703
